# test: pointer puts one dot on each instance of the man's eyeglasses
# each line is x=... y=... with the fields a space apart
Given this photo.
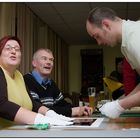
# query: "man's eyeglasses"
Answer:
x=10 y=48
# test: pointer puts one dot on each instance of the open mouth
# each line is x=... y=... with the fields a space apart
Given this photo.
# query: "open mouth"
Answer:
x=13 y=57
x=47 y=68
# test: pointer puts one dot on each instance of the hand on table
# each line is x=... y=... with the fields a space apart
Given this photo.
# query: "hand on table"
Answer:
x=112 y=109
x=54 y=115
x=41 y=119
x=82 y=111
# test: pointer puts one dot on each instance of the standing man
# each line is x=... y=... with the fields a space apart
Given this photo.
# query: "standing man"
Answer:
x=44 y=90
x=107 y=28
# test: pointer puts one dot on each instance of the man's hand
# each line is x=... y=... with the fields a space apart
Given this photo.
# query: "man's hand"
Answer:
x=82 y=111
x=112 y=109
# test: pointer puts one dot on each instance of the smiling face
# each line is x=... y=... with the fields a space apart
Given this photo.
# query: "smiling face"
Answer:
x=11 y=55
x=103 y=35
x=43 y=62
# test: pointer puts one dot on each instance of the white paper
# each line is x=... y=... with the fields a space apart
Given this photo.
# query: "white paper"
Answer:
x=95 y=124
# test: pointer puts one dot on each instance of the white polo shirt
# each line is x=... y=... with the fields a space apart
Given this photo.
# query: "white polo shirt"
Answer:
x=130 y=46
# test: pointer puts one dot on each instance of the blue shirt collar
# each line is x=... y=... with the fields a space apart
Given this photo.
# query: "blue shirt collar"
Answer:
x=39 y=78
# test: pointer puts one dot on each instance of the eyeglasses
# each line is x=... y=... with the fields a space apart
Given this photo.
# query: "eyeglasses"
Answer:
x=10 y=48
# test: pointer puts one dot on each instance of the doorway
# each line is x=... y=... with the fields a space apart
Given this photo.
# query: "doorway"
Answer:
x=92 y=70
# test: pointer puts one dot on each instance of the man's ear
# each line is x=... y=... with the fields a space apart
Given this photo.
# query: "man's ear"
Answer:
x=106 y=24
x=34 y=63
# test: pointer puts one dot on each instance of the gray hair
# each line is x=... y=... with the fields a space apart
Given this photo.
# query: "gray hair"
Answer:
x=35 y=55
x=97 y=14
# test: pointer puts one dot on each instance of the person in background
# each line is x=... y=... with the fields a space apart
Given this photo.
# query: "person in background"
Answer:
x=108 y=29
x=117 y=75
x=44 y=90
x=15 y=103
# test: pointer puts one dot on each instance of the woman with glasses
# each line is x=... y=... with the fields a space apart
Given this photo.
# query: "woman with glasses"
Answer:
x=15 y=103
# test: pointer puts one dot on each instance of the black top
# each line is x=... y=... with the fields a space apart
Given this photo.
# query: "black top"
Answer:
x=50 y=96
x=8 y=109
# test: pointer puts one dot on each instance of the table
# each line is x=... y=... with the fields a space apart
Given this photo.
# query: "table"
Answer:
x=124 y=126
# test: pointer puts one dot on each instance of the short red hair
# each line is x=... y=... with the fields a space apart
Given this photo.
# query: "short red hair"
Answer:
x=4 y=40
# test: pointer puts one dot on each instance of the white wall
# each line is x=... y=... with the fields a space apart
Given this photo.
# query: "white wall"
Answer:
x=109 y=55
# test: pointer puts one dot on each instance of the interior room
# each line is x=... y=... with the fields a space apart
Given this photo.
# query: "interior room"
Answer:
x=61 y=27
x=64 y=21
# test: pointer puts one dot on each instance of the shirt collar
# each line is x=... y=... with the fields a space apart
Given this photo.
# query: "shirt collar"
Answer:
x=39 y=78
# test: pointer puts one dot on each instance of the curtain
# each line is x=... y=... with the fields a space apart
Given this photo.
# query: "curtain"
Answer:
x=60 y=51
x=25 y=33
x=7 y=19
x=18 y=19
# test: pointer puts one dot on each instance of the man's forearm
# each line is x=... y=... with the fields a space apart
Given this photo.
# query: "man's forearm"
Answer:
x=135 y=90
x=130 y=101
